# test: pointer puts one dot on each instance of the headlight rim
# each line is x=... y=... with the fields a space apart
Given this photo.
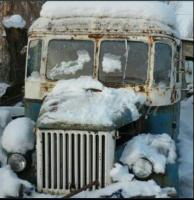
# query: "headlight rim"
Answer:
x=20 y=156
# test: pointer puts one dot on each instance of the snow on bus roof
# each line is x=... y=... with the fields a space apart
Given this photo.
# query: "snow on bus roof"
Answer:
x=156 y=11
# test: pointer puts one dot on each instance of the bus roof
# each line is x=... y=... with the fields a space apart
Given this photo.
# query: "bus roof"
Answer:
x=110 y=16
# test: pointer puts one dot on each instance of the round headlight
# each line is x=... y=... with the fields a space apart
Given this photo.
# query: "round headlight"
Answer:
x=17 y=162
x=142 y=168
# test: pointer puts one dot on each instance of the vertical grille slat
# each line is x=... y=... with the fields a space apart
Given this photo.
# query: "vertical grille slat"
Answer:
x=46 y=161
x=82 y=159
x=58 y=161
x=52 y=161
x=103 y=161
x=100 y=160
x=94 y=159
x=68 y=160
x=76 y=168
x=64 y=161
x=88 y=157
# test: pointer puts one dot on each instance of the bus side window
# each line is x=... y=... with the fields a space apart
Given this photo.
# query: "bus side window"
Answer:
x=162 y=64
x=34 y=57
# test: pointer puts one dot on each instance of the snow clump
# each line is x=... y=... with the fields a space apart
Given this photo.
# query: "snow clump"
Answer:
x=5 y=118
x=120 y=173
x=111 y=63
x=35 y=75
x=18 y=136
x=158 y=149
x=3 y=88
x=86 y=101
x=15 y=21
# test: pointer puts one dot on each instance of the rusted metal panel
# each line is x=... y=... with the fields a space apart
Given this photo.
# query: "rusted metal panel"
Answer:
x=96 y=25
x=187 y=46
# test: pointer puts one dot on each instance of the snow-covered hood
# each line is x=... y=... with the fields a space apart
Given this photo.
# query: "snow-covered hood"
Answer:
x=85 y=103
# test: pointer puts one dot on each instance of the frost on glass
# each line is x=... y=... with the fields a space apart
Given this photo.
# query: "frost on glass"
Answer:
x=162 y=64
x=123 y=61
x=69 y=59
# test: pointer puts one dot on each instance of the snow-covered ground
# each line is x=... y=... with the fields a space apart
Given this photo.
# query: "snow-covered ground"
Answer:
x=186 y=148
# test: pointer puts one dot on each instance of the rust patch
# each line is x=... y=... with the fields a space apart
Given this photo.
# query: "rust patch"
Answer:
x=95 y=36
x=150 y=40
x=173 y=95
x=46 y=87
x=141 y=88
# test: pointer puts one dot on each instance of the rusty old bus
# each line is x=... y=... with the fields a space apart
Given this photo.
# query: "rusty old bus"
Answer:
x=159 y=73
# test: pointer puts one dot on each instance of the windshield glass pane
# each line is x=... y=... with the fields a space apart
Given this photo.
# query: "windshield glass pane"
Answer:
x=162 y=64
x=69 y=59
x=123 y=62
x=34 y=57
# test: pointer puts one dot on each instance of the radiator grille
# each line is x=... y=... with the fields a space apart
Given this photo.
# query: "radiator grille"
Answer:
x=69 y=160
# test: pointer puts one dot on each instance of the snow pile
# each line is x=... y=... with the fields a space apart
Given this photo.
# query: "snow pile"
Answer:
x=15 y=111
x=185 y=146
x=156 y=11
x=3 y=88
x=127 y=187
x=5 y=118
x=35 y=75
x=111 y=63
x=158 y=149
x=15 y=21
x=18 y=136
x=86 y=101
x=71 y=67
x=10 y=184
x=120 y=173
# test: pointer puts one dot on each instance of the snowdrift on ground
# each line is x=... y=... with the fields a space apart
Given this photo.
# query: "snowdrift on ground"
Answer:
x=185 y=146
x=86 y=101
x=127 y=187
x=10 y=184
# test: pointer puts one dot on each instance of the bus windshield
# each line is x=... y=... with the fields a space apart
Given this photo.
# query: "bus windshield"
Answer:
x=69 y=59
x=123 y=61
